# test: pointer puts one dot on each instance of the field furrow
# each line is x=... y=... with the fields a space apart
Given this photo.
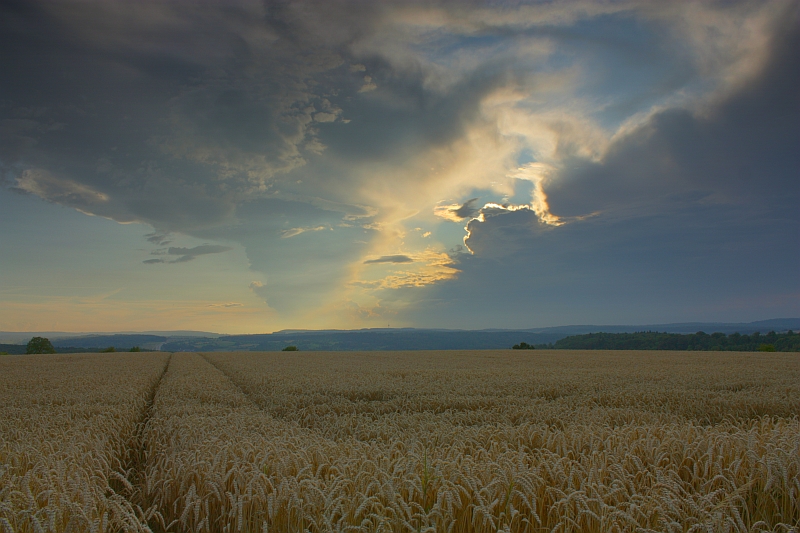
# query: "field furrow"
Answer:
x=204 y=439
x=68 y=426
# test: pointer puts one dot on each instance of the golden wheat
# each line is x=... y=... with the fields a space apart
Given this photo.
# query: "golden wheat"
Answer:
x=436 y=441
x=67 y=429
x=477 y=442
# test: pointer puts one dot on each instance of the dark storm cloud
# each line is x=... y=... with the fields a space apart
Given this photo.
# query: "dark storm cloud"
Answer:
x=100 y=100
x=696 y=211
x=741 y=151
x=671 y=267
x=248 y=123
x=178 y=113
x=187 y=254
x=232 y=87
x=390 y=259
x=501 y=232
x=150 y=103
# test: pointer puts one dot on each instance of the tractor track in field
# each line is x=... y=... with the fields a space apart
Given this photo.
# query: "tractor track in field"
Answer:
x=234 y=383
x=136 y=460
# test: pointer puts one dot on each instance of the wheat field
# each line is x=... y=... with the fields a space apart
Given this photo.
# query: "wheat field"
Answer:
x=484 y=441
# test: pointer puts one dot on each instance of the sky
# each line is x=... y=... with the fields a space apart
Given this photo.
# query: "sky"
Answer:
x=249 y=166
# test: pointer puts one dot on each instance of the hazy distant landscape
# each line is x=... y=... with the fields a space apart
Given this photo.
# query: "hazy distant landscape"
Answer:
x=421 y=339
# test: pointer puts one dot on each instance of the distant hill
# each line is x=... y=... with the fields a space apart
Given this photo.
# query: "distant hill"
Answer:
x=22 y=337
x=442 y=339
x=378 y=338
x=119 y=342
x=405 y=339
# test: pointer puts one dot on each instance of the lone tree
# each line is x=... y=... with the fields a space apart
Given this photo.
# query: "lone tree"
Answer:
x=290 y=349
x=40 y=345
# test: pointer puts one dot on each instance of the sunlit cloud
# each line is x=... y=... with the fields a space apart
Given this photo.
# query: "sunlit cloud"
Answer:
x=65 y=191
x=431 y=267
x=293 y=232
x=458 y=212
x=538 y=174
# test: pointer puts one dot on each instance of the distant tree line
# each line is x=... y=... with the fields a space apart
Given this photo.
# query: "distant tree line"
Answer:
x=523 y=346
x=42 y=345
x=700 y=341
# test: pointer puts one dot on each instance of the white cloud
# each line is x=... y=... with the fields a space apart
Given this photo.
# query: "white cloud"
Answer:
x=293 y=232
x=65 y=191
x=538 y=174
x=368 y=85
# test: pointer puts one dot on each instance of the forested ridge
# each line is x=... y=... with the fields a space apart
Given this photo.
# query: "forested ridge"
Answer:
x=700 y=341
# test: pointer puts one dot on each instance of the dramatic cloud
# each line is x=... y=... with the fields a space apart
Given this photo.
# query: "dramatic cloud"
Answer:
x=676 y=204
x=378 y=159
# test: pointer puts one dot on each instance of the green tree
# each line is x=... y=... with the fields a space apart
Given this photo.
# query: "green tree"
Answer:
x=290 y=349
x=766 y=348
x=40 y=345
x=136 y=349
x=110 y=349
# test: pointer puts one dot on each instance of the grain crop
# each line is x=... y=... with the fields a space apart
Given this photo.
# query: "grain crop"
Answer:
x=479 y=442
x=487 y=441
x=68 y=426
